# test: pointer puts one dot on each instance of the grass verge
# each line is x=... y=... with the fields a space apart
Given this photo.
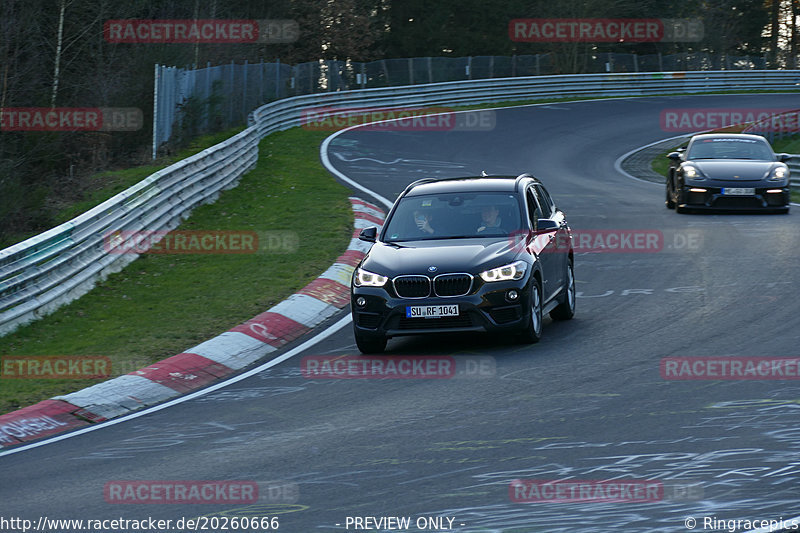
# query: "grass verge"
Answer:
x=161 y=305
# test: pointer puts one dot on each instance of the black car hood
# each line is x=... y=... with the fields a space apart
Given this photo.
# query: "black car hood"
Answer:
x=450 y=255
x=727 y=169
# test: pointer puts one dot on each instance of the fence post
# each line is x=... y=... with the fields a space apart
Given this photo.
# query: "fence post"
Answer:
x=491 y=66
x=244 y=90
x=155 y=112
x=411 y=71
x=538 y=71
x=430 y=70
x=230 y=105
x=260 y=81
x=660 y=63
x=469 y=68
x=635 y=63
x=278 y=78
x=363 y=75
x=514 y=66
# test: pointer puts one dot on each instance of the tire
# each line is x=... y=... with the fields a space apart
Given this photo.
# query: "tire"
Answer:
x=371 y=344
x=670 y=200
x=533 y=330
x=566 y=309
x=679 y=200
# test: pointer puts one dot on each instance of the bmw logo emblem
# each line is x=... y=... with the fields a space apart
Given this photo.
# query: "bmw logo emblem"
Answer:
x=432 y=268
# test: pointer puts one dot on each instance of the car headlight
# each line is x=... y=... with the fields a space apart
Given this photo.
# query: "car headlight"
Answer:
x=779 y=174
x=364 y=278
x=515 y=270
x=692 y=173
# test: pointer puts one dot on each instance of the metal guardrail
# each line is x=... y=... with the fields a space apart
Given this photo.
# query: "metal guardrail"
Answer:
x=51 y=269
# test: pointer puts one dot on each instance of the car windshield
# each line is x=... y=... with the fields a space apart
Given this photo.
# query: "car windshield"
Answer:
x=730 y=148
x=454 y=216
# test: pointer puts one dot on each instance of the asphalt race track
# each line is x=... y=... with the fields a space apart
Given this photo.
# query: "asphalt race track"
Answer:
x=586 y=403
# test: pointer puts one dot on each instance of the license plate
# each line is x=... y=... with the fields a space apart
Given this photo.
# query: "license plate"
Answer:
x=431 y=311
x=738 y=191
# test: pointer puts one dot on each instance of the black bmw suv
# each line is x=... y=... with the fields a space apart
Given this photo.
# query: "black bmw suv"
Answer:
x=465 y=254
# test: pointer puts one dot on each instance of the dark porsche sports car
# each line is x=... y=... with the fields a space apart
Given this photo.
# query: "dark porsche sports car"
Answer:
x=465 y=254
x=737 y=172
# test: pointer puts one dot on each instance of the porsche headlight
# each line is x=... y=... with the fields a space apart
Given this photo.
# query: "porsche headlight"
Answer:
x=779 y=174
x=512 y=271
x=364 y=278
x=692 y=173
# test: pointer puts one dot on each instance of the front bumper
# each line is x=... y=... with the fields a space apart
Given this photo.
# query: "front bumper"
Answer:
x=488 y=309
x=712 y=198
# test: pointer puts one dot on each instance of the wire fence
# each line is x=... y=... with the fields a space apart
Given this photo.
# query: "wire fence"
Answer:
x=189 y=102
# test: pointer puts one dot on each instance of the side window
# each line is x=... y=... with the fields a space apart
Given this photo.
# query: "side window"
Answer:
x=534 y=211
x=548 y=207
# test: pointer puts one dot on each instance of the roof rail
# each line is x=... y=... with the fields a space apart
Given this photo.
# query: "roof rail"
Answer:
x=520 y=178
x=418 y=182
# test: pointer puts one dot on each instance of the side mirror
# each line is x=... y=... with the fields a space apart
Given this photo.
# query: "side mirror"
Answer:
x=674 y=156
x=784 y=157
x=369 y=234
x=547 y=224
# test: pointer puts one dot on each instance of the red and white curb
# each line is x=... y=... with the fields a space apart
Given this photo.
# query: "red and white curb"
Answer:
x=205 y=363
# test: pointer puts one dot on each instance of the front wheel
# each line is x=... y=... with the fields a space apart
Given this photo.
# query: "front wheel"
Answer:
x=566 y=309
x=369 y=344
x=670 y=195
x=533 y=331
x=680 y=198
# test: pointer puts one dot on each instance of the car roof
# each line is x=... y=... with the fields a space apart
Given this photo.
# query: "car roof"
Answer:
x=464 y=184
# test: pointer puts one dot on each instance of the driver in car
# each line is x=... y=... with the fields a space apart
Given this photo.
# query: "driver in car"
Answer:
x=490 y=220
